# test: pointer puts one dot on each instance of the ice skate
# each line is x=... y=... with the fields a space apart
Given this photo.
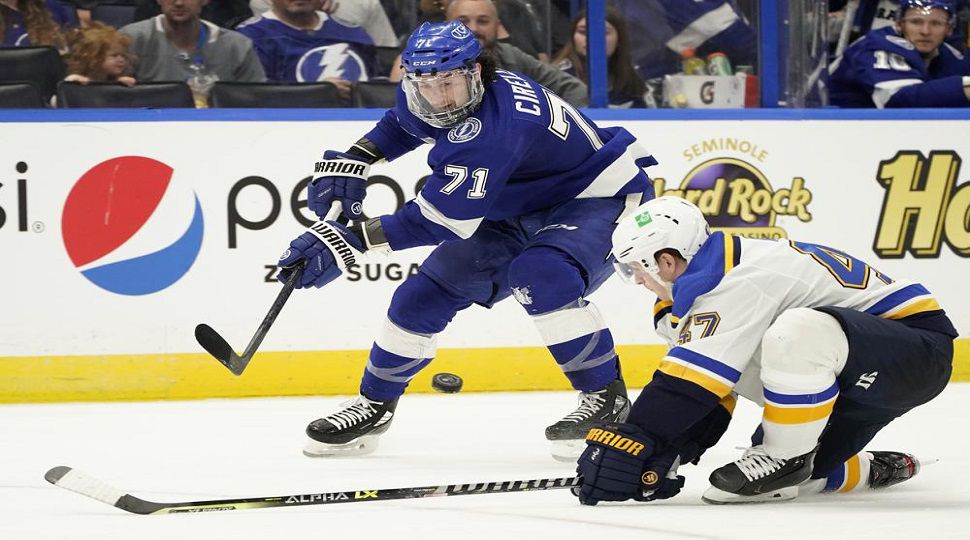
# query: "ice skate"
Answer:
x=758 y=478
x=891 y=468
x=568 y=436
x=352 y=431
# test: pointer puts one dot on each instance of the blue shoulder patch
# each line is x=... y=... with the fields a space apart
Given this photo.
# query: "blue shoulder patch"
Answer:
x=717 y=257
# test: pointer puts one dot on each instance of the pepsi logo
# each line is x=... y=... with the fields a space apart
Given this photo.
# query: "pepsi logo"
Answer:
x=118 y=228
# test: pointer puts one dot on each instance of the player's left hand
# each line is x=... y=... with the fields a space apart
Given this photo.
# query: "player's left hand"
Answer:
x=619 y=464
x=338 y=177
x=327 y=247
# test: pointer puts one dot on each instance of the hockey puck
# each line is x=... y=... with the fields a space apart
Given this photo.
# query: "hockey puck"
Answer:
x=446 y=382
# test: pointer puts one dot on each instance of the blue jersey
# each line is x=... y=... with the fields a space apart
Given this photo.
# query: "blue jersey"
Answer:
x=332 y=50
x=883 y=69
x=524 y=150
x=15 y=32
x=876 y=14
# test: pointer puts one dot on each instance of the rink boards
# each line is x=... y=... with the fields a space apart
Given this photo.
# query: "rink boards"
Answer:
x=123 y=230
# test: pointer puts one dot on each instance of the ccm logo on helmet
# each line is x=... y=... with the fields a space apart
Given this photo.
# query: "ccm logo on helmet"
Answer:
x=425 y=63
x=608 y=438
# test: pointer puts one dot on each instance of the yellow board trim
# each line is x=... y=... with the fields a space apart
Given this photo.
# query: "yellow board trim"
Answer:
x=305 y=373
x=797 y=415
x=710 y=384
x=852 y=474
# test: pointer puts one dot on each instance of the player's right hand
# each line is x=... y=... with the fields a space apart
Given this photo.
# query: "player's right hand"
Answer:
x=619 y=464
x=327 y=247
x=338 y=177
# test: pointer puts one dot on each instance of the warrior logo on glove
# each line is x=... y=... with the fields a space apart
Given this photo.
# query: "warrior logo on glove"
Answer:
x=327 y=234
x=619 y=442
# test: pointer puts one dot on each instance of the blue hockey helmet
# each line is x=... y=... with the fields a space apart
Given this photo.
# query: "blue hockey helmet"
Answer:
x=442 y=82
x=435 y=47
x=926 y=5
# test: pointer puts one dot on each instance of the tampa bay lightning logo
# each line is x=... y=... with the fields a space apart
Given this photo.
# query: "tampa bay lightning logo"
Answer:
x=337 y=61
x=465 y=131
x=460 y=32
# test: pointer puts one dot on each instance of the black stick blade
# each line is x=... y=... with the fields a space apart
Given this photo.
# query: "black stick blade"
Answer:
x=218 y=347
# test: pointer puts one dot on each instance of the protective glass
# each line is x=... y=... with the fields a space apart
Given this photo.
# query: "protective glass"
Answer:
x=443 y=99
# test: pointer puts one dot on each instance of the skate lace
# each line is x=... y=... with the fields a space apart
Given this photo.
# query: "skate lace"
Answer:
x=356 y=412
x=589 y=404
x=756 y=463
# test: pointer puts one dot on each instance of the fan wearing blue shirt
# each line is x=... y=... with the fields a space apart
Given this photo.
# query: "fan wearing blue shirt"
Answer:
x=297 y=43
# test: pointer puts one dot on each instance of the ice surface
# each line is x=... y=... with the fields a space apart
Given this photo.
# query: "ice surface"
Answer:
x=209 y=449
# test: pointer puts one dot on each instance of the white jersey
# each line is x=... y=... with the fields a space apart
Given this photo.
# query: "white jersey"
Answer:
x=735 y=288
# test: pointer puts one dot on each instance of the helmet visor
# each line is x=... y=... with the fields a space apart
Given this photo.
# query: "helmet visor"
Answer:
x=633 y=272
x=443 y=99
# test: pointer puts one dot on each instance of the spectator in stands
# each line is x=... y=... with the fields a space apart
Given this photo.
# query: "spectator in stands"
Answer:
x=367 y=14
x=905 y=65
x=99 y=53
x=481 y=17
x=25 y=23
x=626 y=89
x=518 y=24
x=225 y=13
x=296 y=42
x=662 y=29
x=178 y=46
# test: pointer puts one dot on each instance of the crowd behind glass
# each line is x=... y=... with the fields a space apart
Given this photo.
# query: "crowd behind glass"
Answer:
x=659 y=52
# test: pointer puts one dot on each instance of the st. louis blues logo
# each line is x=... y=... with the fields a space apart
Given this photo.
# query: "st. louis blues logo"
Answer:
x=460 y=32
x=465 y=131
x=337 y=61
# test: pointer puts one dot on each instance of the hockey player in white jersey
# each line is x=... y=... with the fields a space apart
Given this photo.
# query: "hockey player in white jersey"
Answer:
x=833 y=349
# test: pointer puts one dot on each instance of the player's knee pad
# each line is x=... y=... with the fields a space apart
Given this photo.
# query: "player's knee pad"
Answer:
x=421 y=305
x=544 y=279
x=803 y=342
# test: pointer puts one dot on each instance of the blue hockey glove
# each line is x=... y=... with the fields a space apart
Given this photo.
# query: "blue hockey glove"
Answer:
x=338 y=177
x=328 y=247
x=619 y=464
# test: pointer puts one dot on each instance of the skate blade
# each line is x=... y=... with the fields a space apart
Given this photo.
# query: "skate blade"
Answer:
x=717 y=496
x=359 y=447
x=567 y=450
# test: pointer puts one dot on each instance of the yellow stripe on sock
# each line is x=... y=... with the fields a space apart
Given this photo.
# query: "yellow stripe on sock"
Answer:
x=797 y=415
x=851 y=474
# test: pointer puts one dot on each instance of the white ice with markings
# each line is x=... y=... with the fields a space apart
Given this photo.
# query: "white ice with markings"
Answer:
x=213 y=449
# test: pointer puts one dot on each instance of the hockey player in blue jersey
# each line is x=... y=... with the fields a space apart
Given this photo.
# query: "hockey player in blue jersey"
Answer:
x=906 y=65
x=524 y=196
x=832 y=349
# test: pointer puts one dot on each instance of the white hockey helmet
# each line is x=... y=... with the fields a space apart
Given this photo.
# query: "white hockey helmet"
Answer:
x=662 y=223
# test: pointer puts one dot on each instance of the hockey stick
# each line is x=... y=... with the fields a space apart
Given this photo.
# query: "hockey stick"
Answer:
x=78 y=482
x=217 y=345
